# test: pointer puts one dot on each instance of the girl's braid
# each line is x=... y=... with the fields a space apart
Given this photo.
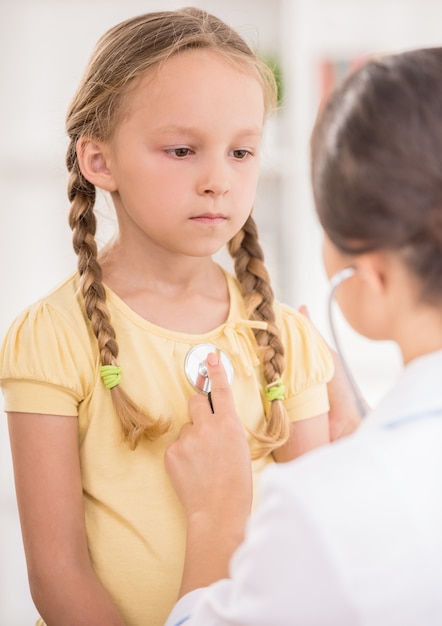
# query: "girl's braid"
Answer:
x=258 y=297
x=82 y=221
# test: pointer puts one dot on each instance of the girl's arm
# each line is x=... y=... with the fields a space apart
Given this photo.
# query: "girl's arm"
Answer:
x=344 y=415
x=344 y=412
x=304 y=436
x=342 y=419
x=48 y=485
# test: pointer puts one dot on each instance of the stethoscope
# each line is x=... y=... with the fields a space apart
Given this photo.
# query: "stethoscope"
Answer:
x=335 y=281
x=195 y=365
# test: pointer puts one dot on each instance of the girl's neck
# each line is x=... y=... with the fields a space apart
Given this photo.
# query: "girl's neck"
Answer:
x=190 y=296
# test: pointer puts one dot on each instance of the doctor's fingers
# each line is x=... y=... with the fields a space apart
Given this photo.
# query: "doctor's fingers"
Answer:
x=221 y=392
x=199 y=409
x=219 y=404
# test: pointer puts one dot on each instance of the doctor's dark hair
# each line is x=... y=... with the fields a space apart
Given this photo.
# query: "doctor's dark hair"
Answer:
x=122 y=56
x=377 y=163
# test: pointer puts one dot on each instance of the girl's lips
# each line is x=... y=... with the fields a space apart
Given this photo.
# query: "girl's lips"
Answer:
x=208 y=218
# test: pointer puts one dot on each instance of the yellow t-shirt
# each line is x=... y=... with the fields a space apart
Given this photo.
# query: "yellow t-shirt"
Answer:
x=135 y=525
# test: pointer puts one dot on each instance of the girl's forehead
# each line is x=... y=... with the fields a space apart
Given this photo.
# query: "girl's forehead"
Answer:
x=198 y=62
x=196 y=79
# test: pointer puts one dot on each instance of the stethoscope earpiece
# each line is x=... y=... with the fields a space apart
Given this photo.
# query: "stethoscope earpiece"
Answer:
x=196 y=368
x=340 y=276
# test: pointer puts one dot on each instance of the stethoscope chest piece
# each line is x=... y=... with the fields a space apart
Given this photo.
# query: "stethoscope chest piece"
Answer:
x=196 y=368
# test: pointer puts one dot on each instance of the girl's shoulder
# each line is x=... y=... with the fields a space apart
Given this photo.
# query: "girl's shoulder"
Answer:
x=299 y=334
x=50 y=343
x=63 y=305
x=55 y=324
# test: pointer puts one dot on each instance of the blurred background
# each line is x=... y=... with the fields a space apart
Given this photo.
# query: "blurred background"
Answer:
x=44 y=47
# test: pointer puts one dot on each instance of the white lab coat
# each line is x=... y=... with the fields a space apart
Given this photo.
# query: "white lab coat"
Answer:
x=349 y=534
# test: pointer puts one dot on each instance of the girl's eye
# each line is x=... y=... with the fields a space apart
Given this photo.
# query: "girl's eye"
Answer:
x=180 y=152
x=240 y=154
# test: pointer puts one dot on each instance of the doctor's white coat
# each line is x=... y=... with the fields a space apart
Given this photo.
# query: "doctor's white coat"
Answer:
x=349 y=534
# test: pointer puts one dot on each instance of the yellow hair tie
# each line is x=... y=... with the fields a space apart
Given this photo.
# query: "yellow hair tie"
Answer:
x=275 y=390
x=111 y=375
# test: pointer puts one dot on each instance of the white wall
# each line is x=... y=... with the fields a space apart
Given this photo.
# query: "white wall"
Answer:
x=44 y=46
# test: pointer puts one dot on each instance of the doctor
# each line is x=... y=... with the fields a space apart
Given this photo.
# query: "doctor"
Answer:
x=350 y=533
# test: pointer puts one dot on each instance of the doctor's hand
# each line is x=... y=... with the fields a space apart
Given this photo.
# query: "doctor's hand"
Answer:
x=210 y=469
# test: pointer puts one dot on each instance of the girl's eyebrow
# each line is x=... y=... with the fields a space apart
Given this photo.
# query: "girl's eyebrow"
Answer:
x=253 y=131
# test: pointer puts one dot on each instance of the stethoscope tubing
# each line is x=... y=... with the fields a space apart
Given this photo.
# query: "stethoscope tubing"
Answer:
x=335 y=281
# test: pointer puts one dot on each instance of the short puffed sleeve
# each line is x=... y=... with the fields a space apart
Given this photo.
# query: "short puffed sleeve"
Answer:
x=309 y=365
x=46 y=362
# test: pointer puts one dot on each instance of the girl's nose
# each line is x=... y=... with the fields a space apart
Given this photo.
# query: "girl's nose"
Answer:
x=214 y=178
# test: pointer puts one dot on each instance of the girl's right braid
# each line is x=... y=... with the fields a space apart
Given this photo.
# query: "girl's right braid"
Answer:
x=258 y=297
x=81 y=193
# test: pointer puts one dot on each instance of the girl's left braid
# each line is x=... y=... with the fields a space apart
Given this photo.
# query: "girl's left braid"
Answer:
x=258 y=297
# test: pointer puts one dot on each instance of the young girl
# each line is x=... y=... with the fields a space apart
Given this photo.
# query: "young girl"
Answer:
x=350 y=533
x=168 y=119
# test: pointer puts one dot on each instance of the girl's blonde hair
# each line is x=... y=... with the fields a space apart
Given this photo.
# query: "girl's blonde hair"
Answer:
x=123 y=55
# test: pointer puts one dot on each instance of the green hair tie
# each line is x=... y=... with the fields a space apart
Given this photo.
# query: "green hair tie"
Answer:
x=111 y=375
x=275 y=391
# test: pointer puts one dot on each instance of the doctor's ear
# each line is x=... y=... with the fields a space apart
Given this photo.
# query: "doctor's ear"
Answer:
x=373 y=270
x=94 y=163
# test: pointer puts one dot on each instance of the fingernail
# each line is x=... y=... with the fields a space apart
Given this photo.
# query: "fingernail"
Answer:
x=212 y=359
x=304 y=310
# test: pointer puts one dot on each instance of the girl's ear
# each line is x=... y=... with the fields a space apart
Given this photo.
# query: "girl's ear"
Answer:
x=94 y=163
